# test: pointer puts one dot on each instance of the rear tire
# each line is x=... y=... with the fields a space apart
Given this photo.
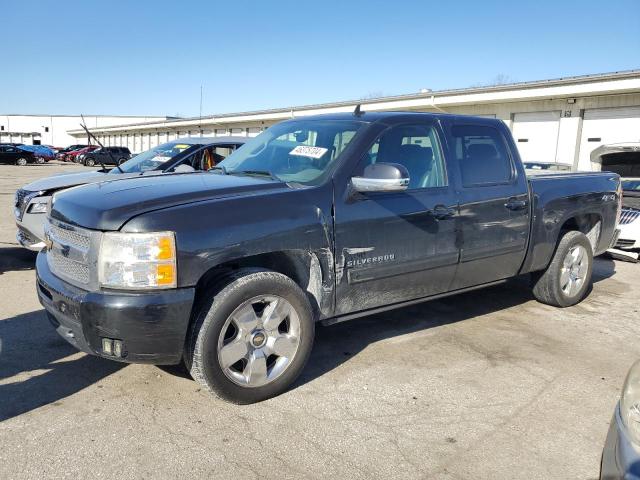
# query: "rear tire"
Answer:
x=265 y=321
x=21 y=162
x=567 y=279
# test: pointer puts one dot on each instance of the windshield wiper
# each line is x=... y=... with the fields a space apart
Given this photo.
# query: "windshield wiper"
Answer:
x=262 y=173
x=221 y=168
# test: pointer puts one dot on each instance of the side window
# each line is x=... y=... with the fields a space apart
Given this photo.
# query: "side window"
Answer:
x=416 y=147
x=341 y=141
x=482 y=154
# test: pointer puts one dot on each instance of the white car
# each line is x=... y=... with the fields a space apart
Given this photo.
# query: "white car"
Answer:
x=629 y=238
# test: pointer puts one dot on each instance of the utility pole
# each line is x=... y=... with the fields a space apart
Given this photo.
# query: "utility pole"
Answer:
x=200 y=123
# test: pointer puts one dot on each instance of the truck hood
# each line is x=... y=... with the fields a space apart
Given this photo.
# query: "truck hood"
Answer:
x=64 y=180
x=108 y=205
x=68 y=180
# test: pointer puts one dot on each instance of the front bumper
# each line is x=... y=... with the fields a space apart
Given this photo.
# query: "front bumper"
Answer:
x=620 y=457
x=151 y=326
x=30 y=232
x=629 y=238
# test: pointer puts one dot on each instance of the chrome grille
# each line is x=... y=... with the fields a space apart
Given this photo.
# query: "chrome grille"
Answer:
x=629 y=215
x=21 y=201
x=68 y=268
x=69 y=251
x=70 y=237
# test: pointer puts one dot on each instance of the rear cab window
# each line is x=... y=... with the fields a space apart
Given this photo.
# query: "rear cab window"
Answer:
x=483 y=156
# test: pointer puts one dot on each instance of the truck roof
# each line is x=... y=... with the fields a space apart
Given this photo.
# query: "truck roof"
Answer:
x=381 y=116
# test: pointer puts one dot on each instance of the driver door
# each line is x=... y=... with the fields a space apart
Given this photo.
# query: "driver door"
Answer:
x=393 y=247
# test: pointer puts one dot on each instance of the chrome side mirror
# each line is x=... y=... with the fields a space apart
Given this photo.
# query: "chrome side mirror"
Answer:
x=382 y=177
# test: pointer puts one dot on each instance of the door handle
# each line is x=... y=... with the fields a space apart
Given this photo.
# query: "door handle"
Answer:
x=441 y=212
x=513 y=204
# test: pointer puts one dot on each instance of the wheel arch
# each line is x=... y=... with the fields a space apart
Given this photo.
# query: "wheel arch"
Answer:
x=304 y=267
x=588 y=223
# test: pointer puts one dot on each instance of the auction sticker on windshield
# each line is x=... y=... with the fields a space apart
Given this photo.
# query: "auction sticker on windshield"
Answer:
x=305 y=151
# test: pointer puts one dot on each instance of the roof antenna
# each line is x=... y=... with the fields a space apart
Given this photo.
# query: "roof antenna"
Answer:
x=358 y=111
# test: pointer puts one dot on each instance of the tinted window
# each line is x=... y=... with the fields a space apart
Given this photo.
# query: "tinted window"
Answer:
x=482 y=154
x=415 y=147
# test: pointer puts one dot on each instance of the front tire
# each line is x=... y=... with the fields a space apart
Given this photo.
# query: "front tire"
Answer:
x=252 y=338
x=567 y=279
x=40 y=160
x=89 y=162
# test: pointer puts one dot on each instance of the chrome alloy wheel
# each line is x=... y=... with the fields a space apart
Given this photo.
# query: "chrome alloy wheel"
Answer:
x=259 y=340
x=574 y=270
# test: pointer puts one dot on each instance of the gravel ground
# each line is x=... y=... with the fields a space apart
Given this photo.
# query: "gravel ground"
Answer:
x=489 y=384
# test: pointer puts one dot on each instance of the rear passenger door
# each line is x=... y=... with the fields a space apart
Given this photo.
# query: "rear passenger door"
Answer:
x=493 y=225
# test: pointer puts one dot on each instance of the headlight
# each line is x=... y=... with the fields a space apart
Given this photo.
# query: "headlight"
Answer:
x=630 y=403
x=138 y=260
x=39 y=207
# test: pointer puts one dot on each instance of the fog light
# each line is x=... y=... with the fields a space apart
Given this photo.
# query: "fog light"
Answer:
x=107 y=346
x=114 y=348
x=117 y=348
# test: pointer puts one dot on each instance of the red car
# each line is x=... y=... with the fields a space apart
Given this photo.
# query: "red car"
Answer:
x=72 y=155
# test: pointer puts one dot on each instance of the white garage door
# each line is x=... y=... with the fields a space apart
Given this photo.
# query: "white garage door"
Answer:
x=602 y=126
x=146 y=141
x=536 y=134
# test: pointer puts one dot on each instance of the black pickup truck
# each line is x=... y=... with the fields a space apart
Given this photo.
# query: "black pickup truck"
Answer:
x=321 y=218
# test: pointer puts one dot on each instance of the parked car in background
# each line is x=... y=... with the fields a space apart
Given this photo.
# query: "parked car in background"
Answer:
x=12 y=155
x=533 y=168
x=182 y=155
x=629 y=225
x=42 y=152
x=55 y=149
x=61 y=155
x=621 y=453
x=106 y=156
x=74 y=155
x=620 y=158
x=324 y=218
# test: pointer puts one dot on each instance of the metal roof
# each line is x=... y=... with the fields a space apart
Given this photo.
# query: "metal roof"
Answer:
x=434 y=94
x=209 y=140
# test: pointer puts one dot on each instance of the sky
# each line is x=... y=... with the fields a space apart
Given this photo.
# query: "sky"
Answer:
x=123 y=57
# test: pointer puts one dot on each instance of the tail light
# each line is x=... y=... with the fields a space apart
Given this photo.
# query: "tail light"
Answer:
x=619 y=194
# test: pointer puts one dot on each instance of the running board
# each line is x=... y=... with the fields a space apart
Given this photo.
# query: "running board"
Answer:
x=393 y=306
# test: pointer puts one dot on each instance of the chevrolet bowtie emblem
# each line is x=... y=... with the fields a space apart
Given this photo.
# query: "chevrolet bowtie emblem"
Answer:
x=48 y=242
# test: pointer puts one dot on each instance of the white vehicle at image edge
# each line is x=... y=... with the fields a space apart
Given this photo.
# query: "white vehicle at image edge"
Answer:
x=629 y=225
x=621 y=453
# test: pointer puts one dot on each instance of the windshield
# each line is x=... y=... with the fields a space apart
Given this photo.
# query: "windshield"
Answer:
x=294 y=151
x=631 y=185
x=154 y=159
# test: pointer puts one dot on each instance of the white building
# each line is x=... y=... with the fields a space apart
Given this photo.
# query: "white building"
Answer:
x=559 y=120
x=53 y=129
